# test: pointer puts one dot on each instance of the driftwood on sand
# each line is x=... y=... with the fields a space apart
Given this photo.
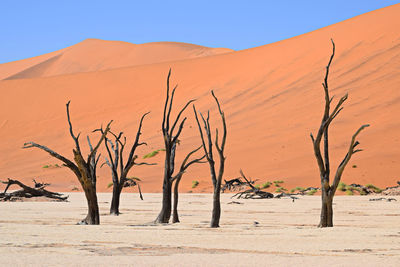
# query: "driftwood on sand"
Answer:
x=29 y=192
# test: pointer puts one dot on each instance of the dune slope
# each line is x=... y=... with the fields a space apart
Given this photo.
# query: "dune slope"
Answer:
x=272 y=97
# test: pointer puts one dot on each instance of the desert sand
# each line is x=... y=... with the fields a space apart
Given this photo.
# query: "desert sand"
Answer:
x=366 y=233
x=272 y=97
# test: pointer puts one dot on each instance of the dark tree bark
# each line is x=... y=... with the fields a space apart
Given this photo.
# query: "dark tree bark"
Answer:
x=170 y=142
x=328 y=190
x=119 y=169
x=85 y=170
x=177 y=178
x=216 y=180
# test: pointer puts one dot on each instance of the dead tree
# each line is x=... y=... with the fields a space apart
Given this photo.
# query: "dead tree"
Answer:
x=29 y=192
x=119 y=169
x=216 y=180
x=170 y=142
x=85 y=170
x=253 y=192
x=177 y=178
x=235 y=184
x=328 y=190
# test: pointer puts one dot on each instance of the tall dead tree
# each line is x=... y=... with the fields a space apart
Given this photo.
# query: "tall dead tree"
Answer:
x=119 y=169
x=170 y=142
x=328 y=190
x=177 y=179
x=85 y=170
x=216 y=180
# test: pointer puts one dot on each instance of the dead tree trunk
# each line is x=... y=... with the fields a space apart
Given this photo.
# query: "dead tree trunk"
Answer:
x=85 y=170
x=170 y=142
x=119 y=169
x=328 y=190
x=177 y=178
x=216 y=180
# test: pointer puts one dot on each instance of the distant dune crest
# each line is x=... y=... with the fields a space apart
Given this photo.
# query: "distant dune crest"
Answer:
x=97 y=55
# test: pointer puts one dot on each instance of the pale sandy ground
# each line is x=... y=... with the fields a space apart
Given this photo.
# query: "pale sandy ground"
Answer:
x=366 y=233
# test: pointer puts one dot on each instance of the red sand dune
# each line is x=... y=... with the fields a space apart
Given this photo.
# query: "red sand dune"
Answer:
x=272 y=97
x=95 y=55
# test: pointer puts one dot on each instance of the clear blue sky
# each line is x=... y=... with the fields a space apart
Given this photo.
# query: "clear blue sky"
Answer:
x=32 y=27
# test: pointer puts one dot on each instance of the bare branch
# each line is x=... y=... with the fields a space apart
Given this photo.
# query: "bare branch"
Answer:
x=220 y=149
x=166 y=103
x=66 y=161
x=170 y=107
x=347 y=158
x=179 y=131
x=201 y=133
x=131 y=159
x=145 y=163
x=248 y=182
x=71 y=131
x=93 y=152
x=179 y=115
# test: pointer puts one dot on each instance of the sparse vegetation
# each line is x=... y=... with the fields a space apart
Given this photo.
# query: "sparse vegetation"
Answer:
x=342 y=187
x=266 y=185
x=51 y=166
x=280 y=189
x=374 y=188
x=311 y=192
x=195 y=184
x=153 y=153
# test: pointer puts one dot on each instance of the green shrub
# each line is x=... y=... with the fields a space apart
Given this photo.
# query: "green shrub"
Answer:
x=349 y=192
x=195 y=184
x=110 y=184
x=342 y=186
x=292 y=190
x=51 y=166
x=362 y=192
x=266 y=185
x=278 y=182
x=311 y=192
x=153 y=153
x=299 y=188
x=280 y=189
x=373 y=188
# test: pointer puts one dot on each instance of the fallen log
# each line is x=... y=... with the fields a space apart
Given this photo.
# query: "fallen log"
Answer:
x=29 y=192
x=253 y=192
x=283 y=194
x=383 y=198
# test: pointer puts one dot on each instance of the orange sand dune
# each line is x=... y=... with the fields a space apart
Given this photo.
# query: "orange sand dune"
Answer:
x=95 y=55
x=272 y=97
